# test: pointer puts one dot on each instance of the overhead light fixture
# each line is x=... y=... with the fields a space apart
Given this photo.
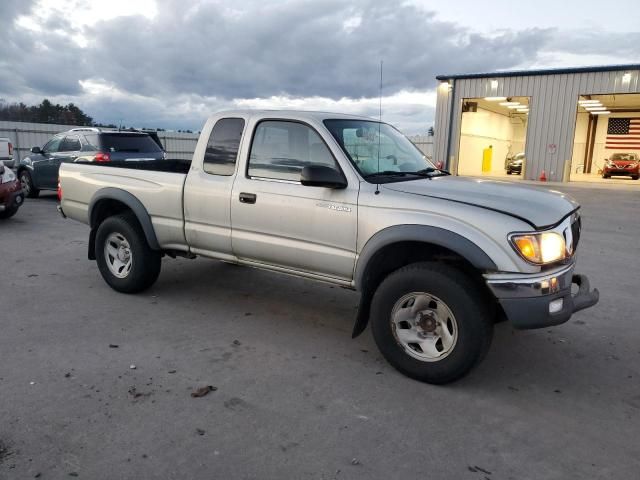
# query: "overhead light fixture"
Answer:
x=600 y=112
x=506 y=104
x=594 y=108
x=512 y=107
x=587 y=103
x=495 y=99
x=525 y=109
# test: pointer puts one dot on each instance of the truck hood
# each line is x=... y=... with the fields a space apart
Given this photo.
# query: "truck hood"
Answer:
x=541 y=208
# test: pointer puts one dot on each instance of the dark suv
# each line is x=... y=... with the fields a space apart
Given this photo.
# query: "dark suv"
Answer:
x=39 y=171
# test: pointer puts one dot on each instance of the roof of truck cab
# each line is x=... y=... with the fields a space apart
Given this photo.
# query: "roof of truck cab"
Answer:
x=293 y=114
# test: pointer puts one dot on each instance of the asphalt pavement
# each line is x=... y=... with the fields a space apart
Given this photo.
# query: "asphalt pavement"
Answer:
x=97 y=384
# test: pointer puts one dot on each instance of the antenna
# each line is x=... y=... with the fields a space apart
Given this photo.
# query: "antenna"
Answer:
x=379 y=126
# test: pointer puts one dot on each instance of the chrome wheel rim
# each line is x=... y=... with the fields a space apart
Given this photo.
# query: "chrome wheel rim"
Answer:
x=424 y=326
x=117 y=253
x=24 y=183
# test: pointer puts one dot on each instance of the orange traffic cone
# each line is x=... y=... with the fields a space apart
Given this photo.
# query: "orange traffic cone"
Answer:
x=543 y=176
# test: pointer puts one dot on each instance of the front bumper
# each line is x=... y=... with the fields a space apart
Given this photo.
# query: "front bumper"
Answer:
x=542 y=300
x=626 y=172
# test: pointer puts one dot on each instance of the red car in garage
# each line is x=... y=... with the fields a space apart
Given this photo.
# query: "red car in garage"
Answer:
x=622 y=164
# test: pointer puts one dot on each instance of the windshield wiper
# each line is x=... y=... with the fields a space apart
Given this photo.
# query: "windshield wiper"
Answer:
x=389 y=173
x=431 y=172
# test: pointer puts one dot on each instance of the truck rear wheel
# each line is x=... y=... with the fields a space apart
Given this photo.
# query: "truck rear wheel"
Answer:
x=124 y=257
x=430 y=322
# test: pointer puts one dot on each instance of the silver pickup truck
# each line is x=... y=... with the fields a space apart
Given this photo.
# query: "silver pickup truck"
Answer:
x=437 y=259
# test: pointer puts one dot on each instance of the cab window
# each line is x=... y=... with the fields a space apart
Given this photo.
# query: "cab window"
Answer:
x=281 y=149
x=222 y=148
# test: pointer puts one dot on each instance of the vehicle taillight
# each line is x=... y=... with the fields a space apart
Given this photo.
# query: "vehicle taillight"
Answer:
x=10 y=149
x=102 y=157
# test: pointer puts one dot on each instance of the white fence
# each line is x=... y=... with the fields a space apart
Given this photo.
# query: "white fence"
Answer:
x=25 y=135
x=424 y=143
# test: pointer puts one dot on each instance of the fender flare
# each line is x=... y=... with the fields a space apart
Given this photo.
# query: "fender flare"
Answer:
x=411 y=233
x=136 y=206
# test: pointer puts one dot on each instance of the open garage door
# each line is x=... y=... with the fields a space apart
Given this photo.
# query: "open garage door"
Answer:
x=493 y=136
x=606 y=146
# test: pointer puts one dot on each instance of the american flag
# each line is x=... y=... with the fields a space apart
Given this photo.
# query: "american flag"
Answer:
x=623 y=134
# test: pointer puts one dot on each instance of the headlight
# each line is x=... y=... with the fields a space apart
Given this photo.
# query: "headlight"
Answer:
x=540 y=248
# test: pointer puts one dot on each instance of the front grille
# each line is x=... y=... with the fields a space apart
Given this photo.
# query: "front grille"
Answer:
x=576 y=228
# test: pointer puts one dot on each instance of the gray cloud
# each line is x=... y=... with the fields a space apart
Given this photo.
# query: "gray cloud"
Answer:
x=297 y=48
x=212 y=52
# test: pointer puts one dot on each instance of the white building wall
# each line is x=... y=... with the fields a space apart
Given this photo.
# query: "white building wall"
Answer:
x=580 y=142
x=553 y=107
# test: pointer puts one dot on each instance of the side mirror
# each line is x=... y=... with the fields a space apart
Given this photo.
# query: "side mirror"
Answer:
x=322 y=176
x=36 y=150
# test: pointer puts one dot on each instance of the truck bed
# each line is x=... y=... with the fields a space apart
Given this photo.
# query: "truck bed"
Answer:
x=157 y=184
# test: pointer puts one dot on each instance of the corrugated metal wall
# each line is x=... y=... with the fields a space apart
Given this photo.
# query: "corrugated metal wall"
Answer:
x=25 y=135
x=552 y=115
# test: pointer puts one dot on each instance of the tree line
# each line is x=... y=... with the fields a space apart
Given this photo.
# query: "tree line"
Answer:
x=45 y=112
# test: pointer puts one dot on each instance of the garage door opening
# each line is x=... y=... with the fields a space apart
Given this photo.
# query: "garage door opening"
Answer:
x=493 y=135
x=606 y=145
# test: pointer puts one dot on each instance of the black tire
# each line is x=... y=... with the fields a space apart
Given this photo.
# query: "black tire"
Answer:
x=8 y=213
x=634 y=177
x=508 y=172
x=145 y=262
x=606 y=176
x=29 y=189
x=464 y=299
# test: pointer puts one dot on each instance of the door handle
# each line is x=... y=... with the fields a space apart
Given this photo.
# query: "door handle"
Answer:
x=247 y=197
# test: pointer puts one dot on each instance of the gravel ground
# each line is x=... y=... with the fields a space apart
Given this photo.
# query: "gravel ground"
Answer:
x=294 y=396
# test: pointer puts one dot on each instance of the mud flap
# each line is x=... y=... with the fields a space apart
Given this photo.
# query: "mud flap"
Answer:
x=362 y=319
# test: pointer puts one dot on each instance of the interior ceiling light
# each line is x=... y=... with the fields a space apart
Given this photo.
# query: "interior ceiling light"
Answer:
x=516 y=106
x=600 y=112
x=522 y=109
x=506 y=104
x=495 y=99
x=591 y=109
x=589 y=102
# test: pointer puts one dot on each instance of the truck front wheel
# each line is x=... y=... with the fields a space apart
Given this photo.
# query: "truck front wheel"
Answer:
x=124 y=258
x=430 y=322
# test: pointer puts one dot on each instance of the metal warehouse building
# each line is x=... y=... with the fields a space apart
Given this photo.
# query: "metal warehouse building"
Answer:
x=573 y=123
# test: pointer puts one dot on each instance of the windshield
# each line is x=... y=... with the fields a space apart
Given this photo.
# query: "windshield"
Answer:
x=624 y=156
x=378 y=150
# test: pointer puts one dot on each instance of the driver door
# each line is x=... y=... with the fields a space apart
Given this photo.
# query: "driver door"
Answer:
x=277 y=221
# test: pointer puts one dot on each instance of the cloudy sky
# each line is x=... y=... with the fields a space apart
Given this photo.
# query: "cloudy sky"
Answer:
x=170 y=63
